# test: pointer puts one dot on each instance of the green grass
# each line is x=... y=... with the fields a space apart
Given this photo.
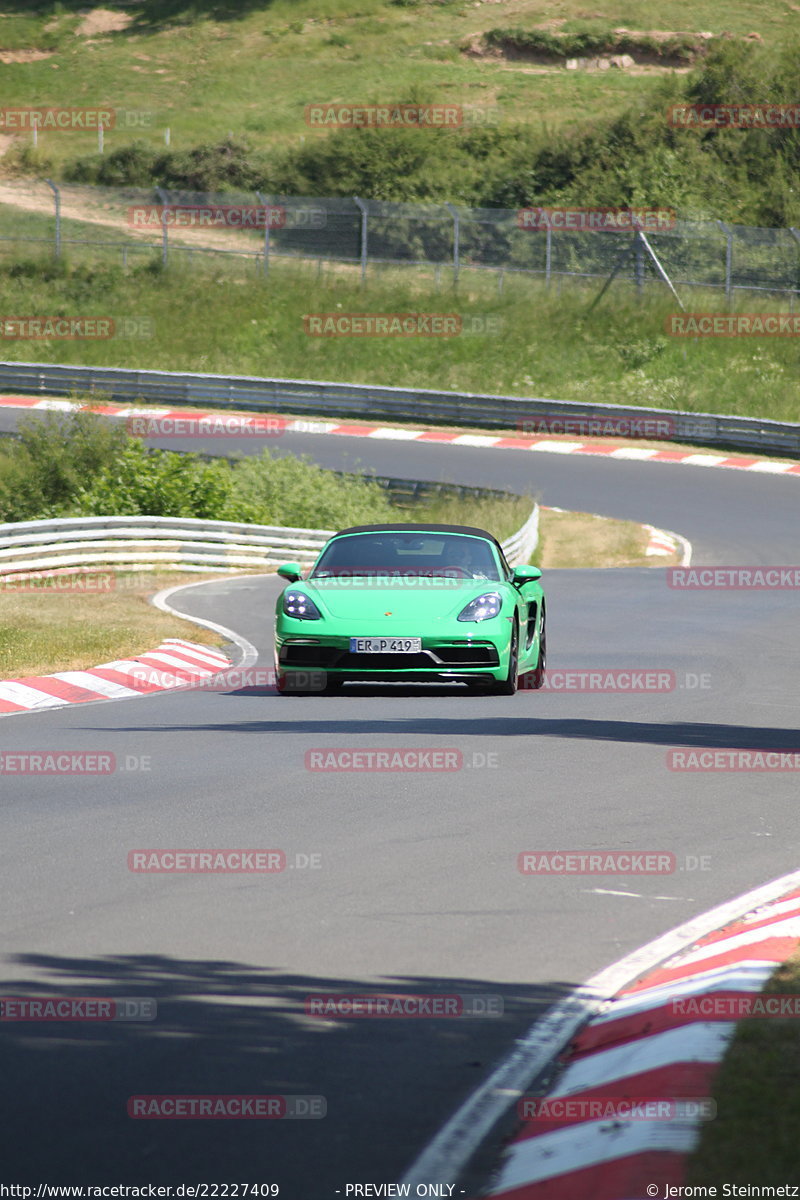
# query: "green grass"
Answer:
x=45 y=632
x=177 y=66
x=219 y=319
x=500 y=516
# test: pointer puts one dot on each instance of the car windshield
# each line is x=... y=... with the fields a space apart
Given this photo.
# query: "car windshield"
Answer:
x=406 y=553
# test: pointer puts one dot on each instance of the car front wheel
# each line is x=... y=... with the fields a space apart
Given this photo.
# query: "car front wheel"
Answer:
x=535 y=679
x=508 y=686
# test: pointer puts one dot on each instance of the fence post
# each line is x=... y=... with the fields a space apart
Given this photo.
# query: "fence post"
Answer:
x=548 y=254
x=364 y=219
x=261 y=200
x=57 y=198
x=164 y=198
x=456 y=242
x=796 y=235
x=639 y=263
x=728 y=258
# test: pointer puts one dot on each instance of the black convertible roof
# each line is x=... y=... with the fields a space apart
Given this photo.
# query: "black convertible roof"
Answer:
x=410 y=527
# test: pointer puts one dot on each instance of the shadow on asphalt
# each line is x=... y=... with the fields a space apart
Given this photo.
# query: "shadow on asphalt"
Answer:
x=228 y=1028
x=667 y=733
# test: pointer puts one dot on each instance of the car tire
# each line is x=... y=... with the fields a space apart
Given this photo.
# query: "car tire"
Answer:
x=281 y=685
x=508 y=686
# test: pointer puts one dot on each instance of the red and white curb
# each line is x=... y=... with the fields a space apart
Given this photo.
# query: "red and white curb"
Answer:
x=175 y=663
x=646 y=1044
x=219 y=422
x=661 y=542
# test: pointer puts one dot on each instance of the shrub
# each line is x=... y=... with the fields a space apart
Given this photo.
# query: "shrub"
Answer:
x=42 y=473
x=295 y=491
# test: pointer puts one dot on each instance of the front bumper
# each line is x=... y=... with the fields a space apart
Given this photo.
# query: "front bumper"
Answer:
x=439 y=658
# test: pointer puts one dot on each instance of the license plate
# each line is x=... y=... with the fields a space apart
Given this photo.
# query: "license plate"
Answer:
x=376 y=645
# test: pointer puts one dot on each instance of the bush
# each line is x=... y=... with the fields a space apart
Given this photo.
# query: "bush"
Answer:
x=42 y=473
x=84 y=465
x=159 y=483
x=211 y=167
x=295 y=491
x=133 y=165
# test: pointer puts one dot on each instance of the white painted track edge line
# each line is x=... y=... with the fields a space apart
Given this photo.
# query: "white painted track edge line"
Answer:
x=248 y=650
x=449 y=1151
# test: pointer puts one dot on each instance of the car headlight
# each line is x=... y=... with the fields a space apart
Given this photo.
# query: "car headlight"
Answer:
x=301 y=606
x=482 y=607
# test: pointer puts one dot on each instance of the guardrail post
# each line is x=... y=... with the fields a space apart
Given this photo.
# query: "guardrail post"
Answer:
x=164 y=198
x=364 y=220
x=456 y=242
x=57 y=199
x=261 y=200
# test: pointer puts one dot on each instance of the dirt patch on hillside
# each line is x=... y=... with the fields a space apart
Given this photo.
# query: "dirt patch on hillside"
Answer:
x=625 y=49
x=80 y=205
x=103 y=20
x=23 y=56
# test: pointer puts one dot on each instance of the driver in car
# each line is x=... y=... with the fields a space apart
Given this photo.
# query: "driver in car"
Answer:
x=462 y=561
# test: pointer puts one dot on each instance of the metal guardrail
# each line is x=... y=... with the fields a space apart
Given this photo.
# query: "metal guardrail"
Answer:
x=188 y=543
x=365 y=401
x=521 y=545
x=30 y=549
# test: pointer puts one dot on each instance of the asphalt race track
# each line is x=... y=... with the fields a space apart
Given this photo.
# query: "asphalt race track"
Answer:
x=416 y=888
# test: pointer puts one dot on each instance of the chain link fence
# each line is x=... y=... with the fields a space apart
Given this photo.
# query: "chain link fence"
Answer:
x=134 y=225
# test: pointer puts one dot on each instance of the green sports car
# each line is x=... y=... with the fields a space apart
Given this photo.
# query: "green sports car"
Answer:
x=410 y=603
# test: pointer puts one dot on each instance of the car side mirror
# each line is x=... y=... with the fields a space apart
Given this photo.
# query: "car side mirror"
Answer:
x=525 y=574
x=290 y=571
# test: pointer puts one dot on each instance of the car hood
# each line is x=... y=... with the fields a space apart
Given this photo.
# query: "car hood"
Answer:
x=415 y=600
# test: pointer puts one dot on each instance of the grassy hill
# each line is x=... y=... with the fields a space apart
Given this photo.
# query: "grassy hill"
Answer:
x=533 y=130
x=231 y=82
